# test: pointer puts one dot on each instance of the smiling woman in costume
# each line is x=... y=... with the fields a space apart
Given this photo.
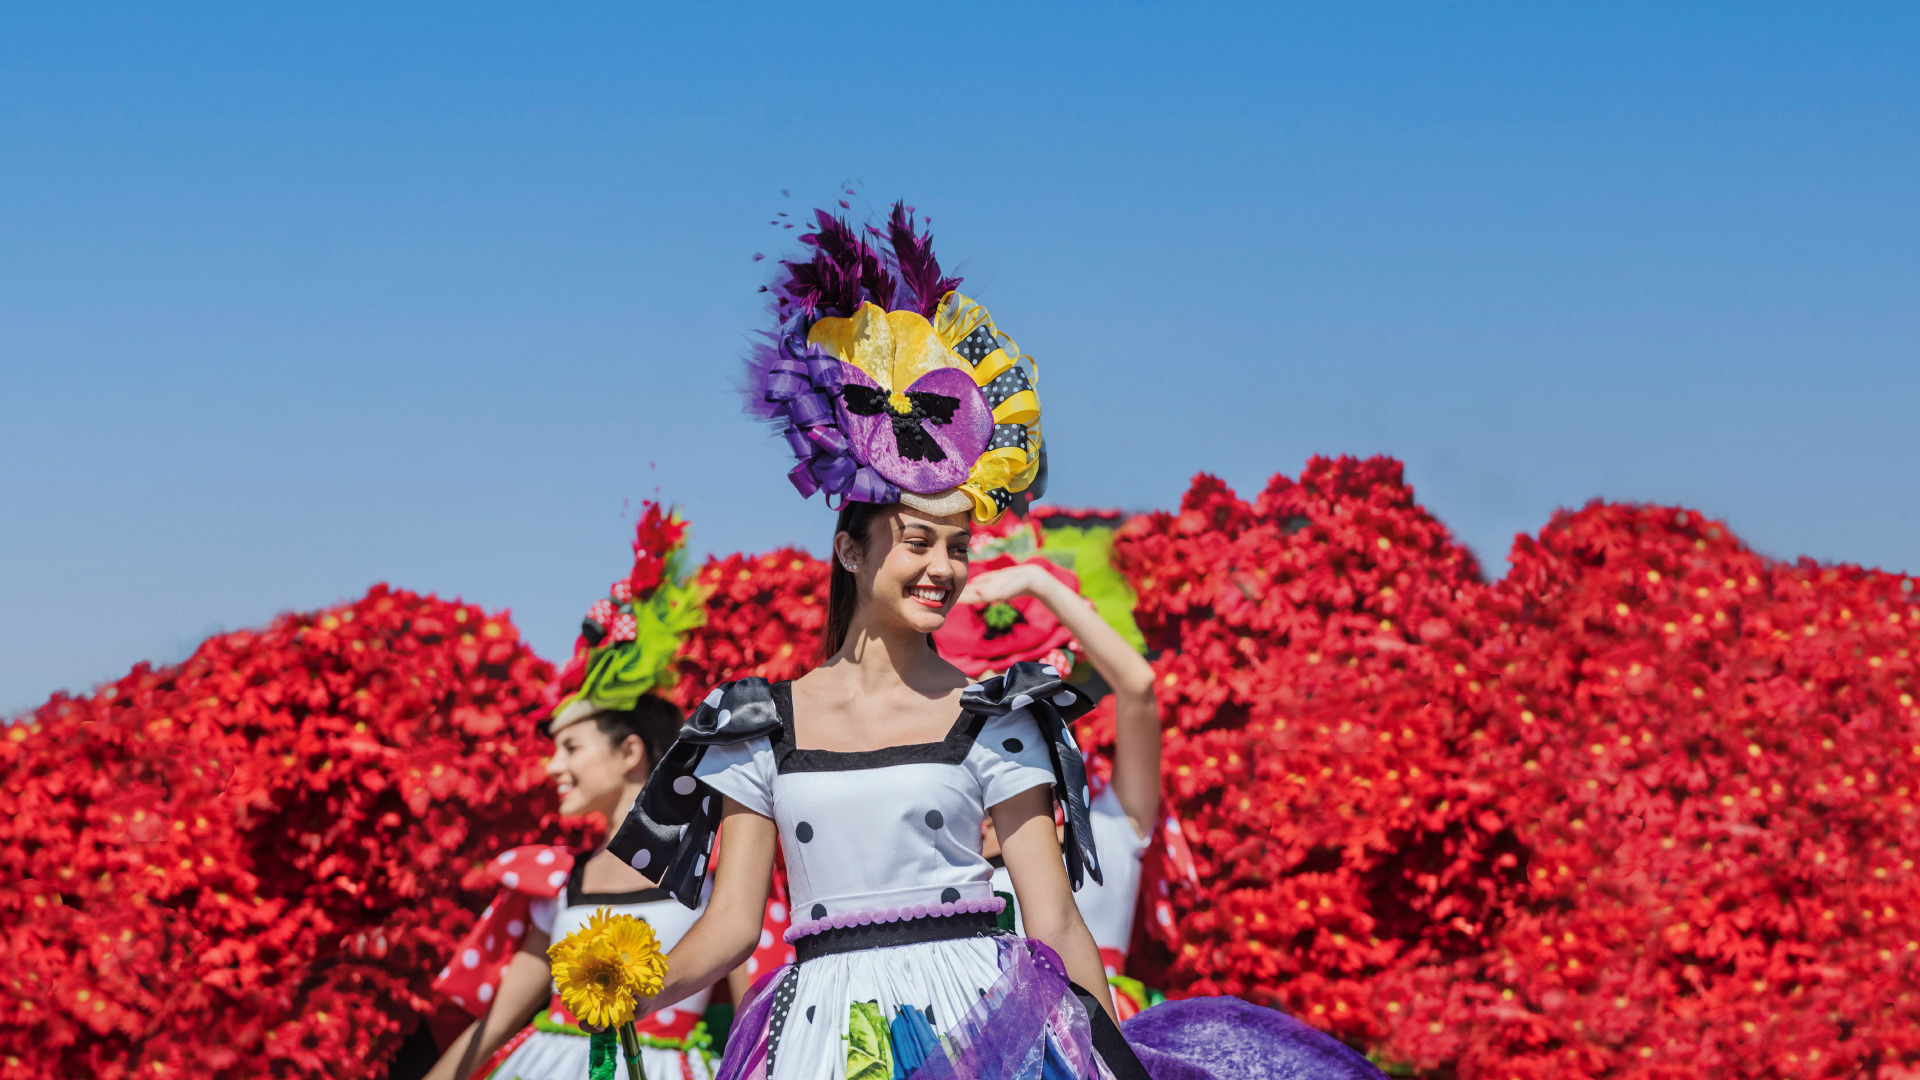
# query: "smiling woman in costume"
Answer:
x=874 y=773
x=608 y=730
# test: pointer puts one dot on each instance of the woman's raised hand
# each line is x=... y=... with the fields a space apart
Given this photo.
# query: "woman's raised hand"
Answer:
x=1007 y=583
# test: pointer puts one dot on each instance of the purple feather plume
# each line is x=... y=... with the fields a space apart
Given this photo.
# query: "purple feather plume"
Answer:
x=919 y=270
x=845 y=270
x=848 y=267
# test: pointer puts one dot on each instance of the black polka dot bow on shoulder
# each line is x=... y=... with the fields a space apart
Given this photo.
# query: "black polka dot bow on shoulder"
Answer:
x=669 y=831
x=1040 y=690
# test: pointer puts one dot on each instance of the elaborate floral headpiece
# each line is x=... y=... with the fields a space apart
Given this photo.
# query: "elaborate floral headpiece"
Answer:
x=889 y=385
x=628 y=639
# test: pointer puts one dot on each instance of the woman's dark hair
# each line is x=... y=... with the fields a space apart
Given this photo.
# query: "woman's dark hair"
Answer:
x=653 y=720
x=843 y=592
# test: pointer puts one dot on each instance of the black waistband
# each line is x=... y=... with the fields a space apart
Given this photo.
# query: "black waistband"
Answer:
x=845 y=939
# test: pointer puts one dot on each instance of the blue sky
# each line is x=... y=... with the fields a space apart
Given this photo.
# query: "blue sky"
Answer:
x=297 y=298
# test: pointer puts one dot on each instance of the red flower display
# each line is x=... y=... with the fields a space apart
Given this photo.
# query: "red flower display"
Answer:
x=1644 y=808
x=979 y=638
x=765 y=614
x=1708 y=761
x=1309 y=645
x=189 y=856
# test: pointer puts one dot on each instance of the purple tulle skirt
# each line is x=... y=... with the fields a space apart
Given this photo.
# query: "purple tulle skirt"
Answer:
x=1029 y=1025
x=1222 y=1038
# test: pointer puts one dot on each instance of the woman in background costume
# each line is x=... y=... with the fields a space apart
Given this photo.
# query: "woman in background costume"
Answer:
x=608 y=730
x=1042 y=599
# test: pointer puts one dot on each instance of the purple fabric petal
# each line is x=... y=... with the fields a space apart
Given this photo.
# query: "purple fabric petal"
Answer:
x=1006 y=1035
x=1223 y=1038
x=963 y=440
x=746 y=1057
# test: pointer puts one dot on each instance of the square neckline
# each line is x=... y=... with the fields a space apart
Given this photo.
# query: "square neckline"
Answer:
x=578 y=896
x=790 y=758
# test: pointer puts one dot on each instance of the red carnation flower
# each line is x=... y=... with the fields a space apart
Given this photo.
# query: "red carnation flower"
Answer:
x=655 y=535
x=979 y=638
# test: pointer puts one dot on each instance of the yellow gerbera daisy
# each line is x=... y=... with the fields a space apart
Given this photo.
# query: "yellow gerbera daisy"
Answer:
x=604 y=967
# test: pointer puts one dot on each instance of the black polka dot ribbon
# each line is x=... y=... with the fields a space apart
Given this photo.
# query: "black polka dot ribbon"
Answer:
x=1041 y=691
x=669 y=832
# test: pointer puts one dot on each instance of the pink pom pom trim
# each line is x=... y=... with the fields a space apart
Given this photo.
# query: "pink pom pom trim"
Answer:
x=802 y=928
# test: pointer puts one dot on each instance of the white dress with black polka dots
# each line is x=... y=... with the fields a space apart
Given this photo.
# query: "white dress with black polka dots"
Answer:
x=879 y=831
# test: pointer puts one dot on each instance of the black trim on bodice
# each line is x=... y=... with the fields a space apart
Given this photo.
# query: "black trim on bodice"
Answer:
x=577 y=897
x=790 y=758
x=669 y=832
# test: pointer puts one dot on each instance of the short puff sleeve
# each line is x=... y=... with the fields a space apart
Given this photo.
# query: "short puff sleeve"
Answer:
x=1009 y=756
x=742 y=772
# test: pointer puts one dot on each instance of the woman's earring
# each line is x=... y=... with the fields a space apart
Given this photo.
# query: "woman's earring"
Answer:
x=852 y=567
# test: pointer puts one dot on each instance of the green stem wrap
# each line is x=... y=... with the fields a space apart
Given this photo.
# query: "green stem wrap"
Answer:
x=606 y=1049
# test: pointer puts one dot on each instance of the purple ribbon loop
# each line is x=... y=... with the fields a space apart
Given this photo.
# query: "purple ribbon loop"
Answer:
x=811 y=409
x=805 y=381
x=803 y=481
x=829 y=439
x=835 y=473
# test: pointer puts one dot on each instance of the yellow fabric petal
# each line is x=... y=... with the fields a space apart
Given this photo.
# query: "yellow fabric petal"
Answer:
x=893 y=347
x=865 y=341
x=917 y=350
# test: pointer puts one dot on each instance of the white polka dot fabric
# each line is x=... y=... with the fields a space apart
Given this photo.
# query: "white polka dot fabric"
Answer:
x=879 y=837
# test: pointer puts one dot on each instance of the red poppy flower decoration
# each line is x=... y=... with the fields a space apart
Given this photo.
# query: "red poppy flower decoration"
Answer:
x=979 y=638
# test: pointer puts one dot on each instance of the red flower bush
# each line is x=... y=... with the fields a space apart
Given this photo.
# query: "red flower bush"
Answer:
x=1642 y=809
x=1645 y=808
x=765 y=614
x=1316 y=648
x=1711 y=765
x=185 y=853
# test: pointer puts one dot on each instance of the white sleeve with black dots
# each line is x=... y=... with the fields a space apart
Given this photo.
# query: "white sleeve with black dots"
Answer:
x=1010 y=757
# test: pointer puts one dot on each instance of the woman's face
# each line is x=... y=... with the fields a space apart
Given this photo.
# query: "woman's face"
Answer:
x=912 y=569
x=589 y=771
